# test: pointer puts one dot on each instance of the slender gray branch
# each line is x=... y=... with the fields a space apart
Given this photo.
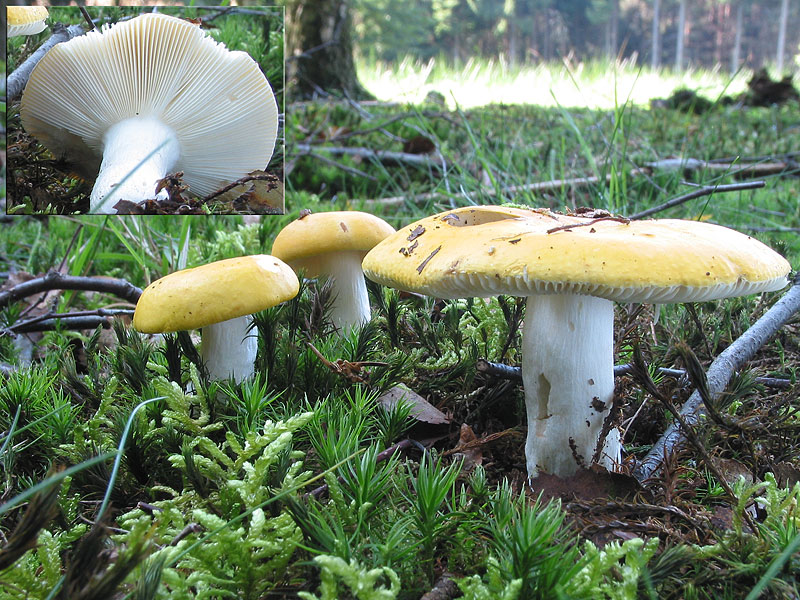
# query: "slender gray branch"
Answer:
x=369 y=153
x=19 y=78
x=719 y=374
x=504 y=371
x=705 y=190
x=78 y=320
x=57 y=281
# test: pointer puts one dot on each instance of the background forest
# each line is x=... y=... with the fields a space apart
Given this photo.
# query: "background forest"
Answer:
x=669 y=33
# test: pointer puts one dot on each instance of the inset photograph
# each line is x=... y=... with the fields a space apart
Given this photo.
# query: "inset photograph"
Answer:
x=143 y=110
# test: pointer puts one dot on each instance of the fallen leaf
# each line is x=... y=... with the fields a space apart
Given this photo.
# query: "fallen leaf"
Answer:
x=469 y=448
x=421 y=409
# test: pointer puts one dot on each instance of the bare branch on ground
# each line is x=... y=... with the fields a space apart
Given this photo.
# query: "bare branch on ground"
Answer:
x=542 y=186
x=719 y=374
x=56 y=281
x=19 y=78
x=705 y=190
x=504 y=371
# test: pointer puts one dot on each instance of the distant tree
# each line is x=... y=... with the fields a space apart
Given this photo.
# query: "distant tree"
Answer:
x=320 y=50
x=655 y=48
x=784 y=18
x=736 y=60
x=681 y=38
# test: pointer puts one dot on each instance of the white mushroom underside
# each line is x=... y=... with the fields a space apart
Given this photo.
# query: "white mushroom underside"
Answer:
x=229 y=349
x=217 y=102
x=462 y=285
x=26 y=29
x=137 y=153
x=568 y=374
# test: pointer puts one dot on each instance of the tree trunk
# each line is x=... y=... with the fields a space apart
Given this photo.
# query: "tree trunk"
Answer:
x=737 y=40
x=680 y=40
x=782 y=36
x=655 y=50
x=613 y=30
x=320 y=50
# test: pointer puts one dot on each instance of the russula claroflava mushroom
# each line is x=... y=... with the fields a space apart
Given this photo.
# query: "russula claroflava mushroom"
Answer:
x=25 y=20
x=219 y=298
x=572 y=269
x=332 y=245
x=147 y=97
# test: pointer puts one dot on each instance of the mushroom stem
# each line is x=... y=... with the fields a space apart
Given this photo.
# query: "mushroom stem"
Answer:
x=137 y=153
x=229 y=349
x=350 y=306
x=568 y=374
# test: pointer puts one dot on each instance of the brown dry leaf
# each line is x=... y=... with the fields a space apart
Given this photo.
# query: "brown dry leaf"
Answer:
x=421 y=409
x=469 y=447
x=786 y=474
x=731 y=470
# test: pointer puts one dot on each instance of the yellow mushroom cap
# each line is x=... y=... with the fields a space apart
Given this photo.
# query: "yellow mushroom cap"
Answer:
x=304 y=242
x=25 y=20
x=488 y=250
x=212 y=293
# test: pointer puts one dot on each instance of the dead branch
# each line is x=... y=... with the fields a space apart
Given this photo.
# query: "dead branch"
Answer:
x=370 y=154
x=85 y=319
x=19 y=78
x=732 y=168
x=56 y=281
x=542 y=186
x=444 y=589
x=504 y=371
x=704 y=190
x=719 y=374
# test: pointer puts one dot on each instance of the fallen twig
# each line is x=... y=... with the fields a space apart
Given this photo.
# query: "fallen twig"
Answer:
x=444 y=589
x=504 y=371
x=704 y=190
x=733 y=168
x=477 y=443
x=369 y=153
x=19 y=78
x=542 y=186
x=719 y=374
x=85 y=319
x=56 y=281
x=642 y=374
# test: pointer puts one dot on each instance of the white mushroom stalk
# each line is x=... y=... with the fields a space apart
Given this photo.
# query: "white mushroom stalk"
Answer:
x=350 y=304
x=229 y=349
x=571 y=268
x=137 y=154
x=332 y=245
x=568 y=375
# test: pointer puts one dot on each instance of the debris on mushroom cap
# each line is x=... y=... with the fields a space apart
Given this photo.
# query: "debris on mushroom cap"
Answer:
x=488 y=250
x=25 y=20
x=218 y=291
x=218 y=102
x=305 y=239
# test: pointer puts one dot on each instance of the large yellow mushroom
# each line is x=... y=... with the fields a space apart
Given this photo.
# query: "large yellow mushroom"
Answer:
x=572 y=269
